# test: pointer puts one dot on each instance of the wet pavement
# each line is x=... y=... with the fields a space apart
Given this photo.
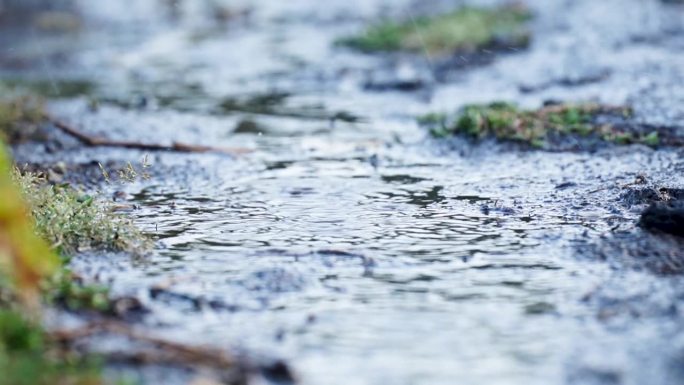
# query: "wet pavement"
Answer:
x=348 y=242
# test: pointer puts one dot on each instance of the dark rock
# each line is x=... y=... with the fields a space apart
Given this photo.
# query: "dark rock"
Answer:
x=674 y=194
x=404 y=77
x=641 y=195
x=278 y=372
x=248 y=126
x=539 y=308
x=594 y=376
x=664 y=217
x=648 y=195
x=129 y=309
x=565 y=185
x=573 y=80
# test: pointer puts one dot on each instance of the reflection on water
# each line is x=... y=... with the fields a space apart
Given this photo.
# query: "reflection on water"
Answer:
x=396 y=273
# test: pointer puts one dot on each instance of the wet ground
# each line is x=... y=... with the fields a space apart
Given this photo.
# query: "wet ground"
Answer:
x=348 y=242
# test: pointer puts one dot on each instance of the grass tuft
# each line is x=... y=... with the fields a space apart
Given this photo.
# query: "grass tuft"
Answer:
x=465 y=30
x=29 y=270
x=71 y=221
x=20 y=117
x=506 y=122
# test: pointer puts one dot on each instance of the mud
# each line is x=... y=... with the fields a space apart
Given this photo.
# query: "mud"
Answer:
x=352 y=245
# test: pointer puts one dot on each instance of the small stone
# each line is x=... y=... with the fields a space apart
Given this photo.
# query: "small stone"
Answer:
x=565 y=185
x=54 y=177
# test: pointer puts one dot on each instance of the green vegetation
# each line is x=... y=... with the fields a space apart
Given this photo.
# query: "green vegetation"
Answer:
x=71 y=221
x=27 y=357
x=22 y=106
x=537 y=128
x=66 y=290
x=464 y=30
x=35 y=220
x=26 y=263
x=20 y=117
x=25 y=259
x=129 y=173
x=60 y=88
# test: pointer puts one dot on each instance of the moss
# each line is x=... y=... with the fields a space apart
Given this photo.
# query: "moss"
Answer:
x=67 y=290
x=463 y=30
x=59 y=88
x=27 y=357
x=71 y=221
x=437 y=123
x=652 y=139
x=22 y=105
x=536 y=128
x=20 y=117
x=17 y=334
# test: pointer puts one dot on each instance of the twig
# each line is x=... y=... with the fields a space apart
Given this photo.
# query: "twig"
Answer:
x=96 y=141
x=168 y=352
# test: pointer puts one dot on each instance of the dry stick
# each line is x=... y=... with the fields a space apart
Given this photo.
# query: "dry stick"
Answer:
x=170 y=352
x=95 y=141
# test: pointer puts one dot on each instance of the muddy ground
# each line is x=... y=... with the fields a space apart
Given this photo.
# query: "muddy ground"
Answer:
x=349 y=243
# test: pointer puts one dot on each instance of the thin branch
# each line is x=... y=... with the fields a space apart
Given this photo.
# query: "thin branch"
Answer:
x=167 y=351
x=97 y=141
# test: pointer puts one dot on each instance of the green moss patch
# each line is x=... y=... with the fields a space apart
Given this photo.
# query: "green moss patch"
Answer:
x=67 y=290
x=27 y=357
x=464 y=30
x=20 y=117
x=22 y=105
x=48 y=88
x=540 y=128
